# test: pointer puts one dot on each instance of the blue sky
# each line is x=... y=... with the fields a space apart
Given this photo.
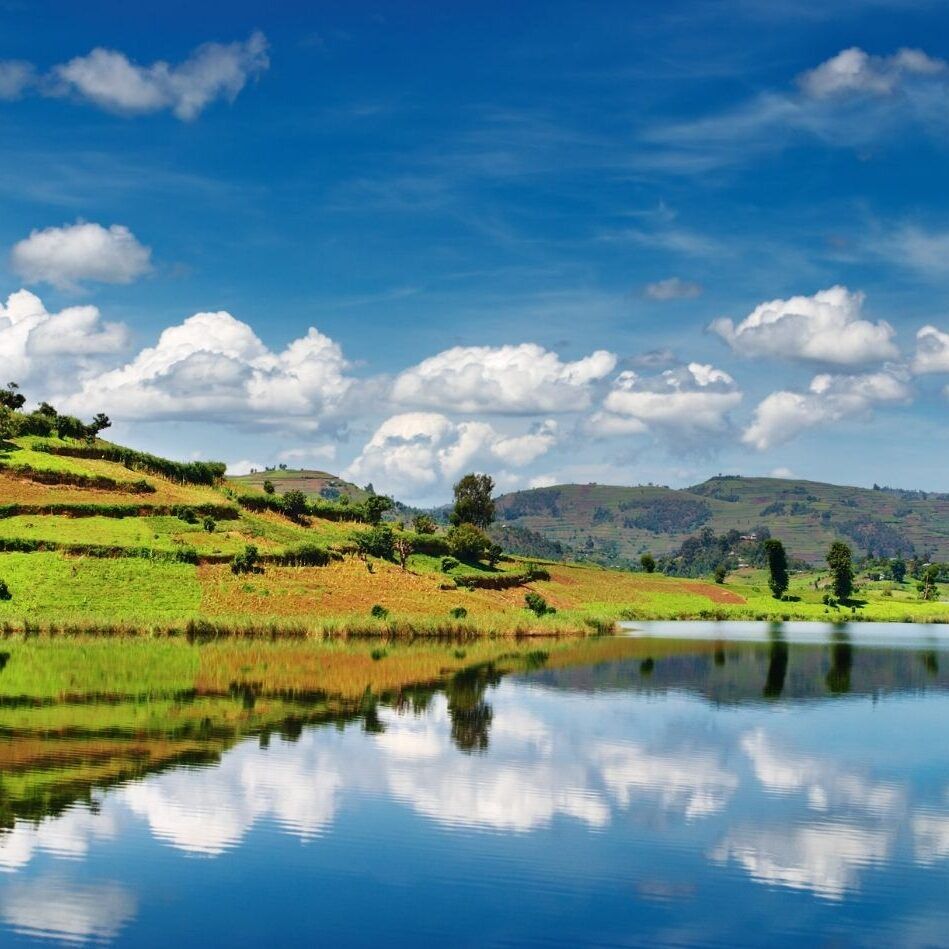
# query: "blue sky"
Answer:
x=519 y=232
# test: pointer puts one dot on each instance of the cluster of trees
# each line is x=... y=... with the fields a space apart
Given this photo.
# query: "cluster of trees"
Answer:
x=466 y=540
x=707 y=552
x=44 y=421
x=665 y=515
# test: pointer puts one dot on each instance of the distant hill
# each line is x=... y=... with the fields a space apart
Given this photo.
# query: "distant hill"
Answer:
x=613 y=525
x=314 y=484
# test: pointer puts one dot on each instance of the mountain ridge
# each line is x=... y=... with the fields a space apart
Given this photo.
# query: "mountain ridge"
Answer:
x=615 y=524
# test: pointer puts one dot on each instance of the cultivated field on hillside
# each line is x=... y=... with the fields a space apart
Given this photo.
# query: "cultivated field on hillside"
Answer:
x=160 y=559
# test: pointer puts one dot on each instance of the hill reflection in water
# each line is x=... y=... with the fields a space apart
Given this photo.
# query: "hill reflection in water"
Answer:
x=541 y=792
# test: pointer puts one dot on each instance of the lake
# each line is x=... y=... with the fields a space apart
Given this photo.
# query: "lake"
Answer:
x=685 y=784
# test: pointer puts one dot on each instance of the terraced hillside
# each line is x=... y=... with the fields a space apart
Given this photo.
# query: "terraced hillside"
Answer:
x=94 y=536
x=613 y=524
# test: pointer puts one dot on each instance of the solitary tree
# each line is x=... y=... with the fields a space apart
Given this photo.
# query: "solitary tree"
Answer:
x=898 y=569
x=294 y=504
x=269 y=487
x=402 y=546
x=928 y=589
x=99 y=424
x=375 y=506
x=840 y=561
x=777 y=567
x=648 y=563
x=473 y=501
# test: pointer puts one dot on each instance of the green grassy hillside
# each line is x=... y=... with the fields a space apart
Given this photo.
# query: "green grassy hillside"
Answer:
x=314 y=484
x=97 y=537
x=612 y=524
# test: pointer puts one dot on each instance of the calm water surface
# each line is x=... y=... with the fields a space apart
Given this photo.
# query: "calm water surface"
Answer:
x=700 y=792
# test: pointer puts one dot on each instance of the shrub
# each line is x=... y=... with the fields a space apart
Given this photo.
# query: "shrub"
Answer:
x=721 y=571
x=458 y=612
x=185 y=514
x=5 y=593
x=534 y=572
x=210 y=525
x=269 y=487
x=467 y=542
x=537 y=604
x=187 y=472
x=246 y=562
x=648 y=563
x=379 y=611
x=378 y=541
x=305 y=555
x=378 y=654
x=448 y=564
x=424 y=524
x=294 y=504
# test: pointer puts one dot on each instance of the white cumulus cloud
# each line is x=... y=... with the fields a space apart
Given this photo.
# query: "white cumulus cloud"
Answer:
x=783 y=415
x=932 y=351
x=65 y=256
x=214 y=366
x=409 y=454
x=693 y=398
x=111 y=81
x=36 y=343
x=517 y=379
x=826 y=327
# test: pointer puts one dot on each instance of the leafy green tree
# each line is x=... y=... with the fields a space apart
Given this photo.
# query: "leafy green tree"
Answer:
x=840 y=561
x=294 y=504
x=68 y=426
x=537 y=604
x=424 y=524
x=269 y=487
x=778 y=578
x=12 y=398
x=246 y=562
x=898 y=569
x=927 y=588
x=467 y=542
x=210 y=525
x=99 y=423
x=721 y=571
x=473 y=501
x=7 y=423
x=378 y=541
x=648 y=563
x=375 y=506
